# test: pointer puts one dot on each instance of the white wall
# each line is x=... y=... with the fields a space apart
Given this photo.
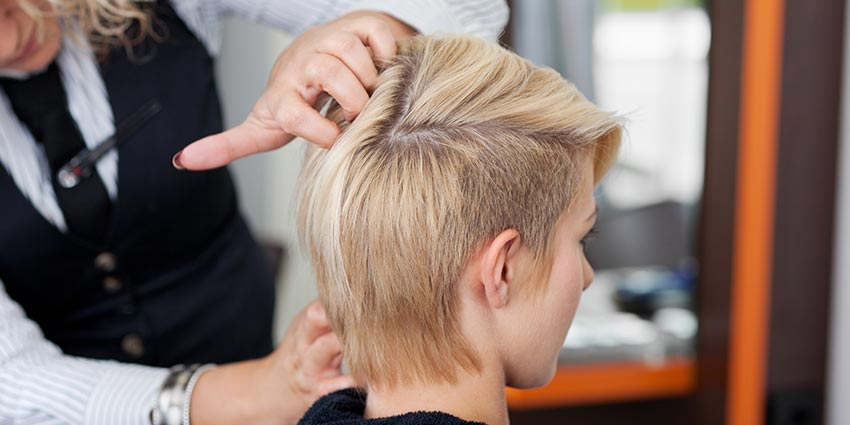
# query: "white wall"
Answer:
x=838 y=373
x=265 y=183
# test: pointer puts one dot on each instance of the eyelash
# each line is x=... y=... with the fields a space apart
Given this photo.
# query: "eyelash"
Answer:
x=590 y=236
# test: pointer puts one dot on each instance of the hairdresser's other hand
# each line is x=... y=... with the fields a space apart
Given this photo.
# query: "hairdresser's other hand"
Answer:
x=279 y=388
x=311 y=355
x=337 y=58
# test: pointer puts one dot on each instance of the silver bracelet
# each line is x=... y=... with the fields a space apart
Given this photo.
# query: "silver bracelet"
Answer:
x=190 y=388
x=172 y=406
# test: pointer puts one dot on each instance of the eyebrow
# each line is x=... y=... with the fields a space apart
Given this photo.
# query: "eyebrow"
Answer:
x=595 y=211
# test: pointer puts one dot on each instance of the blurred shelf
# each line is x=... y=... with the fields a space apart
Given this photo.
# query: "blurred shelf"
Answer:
x=608 y=383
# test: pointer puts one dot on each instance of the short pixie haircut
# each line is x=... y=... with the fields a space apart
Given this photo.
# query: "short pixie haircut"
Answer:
x=460 y=140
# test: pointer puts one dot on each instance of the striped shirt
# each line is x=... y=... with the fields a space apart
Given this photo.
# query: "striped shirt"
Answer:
x=40 y=385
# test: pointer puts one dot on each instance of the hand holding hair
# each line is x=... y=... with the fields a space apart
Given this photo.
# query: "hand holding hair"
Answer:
x=337 y=58
x=279 y=388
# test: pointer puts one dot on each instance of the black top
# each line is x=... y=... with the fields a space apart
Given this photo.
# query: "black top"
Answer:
x=347 y=406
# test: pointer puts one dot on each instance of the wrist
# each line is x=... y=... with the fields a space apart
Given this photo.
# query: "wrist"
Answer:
x=236 y=393
x=190 y=387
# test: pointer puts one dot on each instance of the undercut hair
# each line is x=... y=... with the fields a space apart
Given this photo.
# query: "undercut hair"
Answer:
x=460 y=140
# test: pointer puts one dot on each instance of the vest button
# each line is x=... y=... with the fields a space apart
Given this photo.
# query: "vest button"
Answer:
x=112 y=284
x=133 y=345
x=105 y=261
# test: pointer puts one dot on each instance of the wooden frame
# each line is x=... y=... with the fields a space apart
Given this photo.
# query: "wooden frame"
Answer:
x=765 y=238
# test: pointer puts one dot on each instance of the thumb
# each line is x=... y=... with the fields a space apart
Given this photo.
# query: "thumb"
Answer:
x=221 y=149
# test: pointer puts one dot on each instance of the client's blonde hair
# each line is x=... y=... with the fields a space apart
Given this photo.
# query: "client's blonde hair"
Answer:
x=460 y=140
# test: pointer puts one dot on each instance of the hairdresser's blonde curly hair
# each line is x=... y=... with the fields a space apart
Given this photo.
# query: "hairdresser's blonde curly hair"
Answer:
x=104 y=22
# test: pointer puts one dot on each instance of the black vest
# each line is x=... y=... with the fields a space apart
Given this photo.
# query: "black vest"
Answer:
x=179 y=279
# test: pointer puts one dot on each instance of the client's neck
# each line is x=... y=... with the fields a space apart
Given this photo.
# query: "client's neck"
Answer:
x=476 y=397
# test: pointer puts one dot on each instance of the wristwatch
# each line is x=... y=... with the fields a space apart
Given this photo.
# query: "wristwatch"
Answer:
x=175 y=395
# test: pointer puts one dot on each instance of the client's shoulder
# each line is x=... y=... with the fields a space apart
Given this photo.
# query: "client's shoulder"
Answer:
x=346 y=407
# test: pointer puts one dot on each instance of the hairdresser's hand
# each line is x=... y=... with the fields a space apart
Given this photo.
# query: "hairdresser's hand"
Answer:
x=279 y=388
x=337 y=58
x=310 y=355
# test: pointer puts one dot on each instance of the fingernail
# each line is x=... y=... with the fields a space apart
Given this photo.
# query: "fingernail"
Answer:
x=175 y=161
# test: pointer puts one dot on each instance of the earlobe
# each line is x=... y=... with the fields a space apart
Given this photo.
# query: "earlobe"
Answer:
x=496 y=274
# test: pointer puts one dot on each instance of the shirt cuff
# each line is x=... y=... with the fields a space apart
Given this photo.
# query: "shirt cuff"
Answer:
x=426 y=16
x=125 y=394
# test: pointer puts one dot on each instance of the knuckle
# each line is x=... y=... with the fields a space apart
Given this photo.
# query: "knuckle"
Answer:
x=342 y=42
x=292 y=120
x=324 y=68
x=313 y=68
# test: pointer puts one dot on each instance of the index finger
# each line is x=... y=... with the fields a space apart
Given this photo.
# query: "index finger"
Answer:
x=221 y=149
x=254 y=136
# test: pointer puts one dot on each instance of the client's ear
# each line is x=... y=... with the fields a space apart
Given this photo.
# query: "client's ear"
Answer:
x=497 y=267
